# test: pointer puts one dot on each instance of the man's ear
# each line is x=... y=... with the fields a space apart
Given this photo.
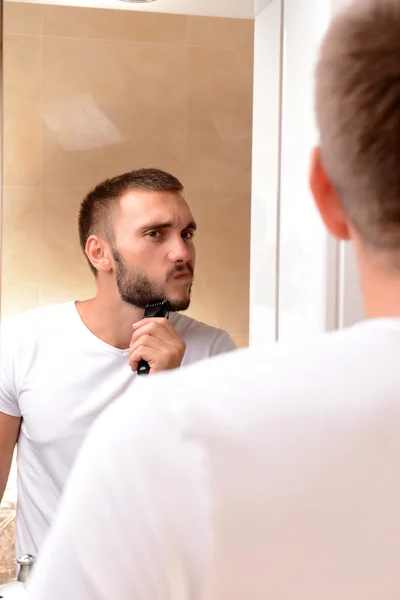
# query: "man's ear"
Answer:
x=326 y=199
x=99 y=254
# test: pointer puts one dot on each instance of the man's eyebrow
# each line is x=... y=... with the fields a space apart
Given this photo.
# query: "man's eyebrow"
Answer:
x=166 y=225
x=156 y=225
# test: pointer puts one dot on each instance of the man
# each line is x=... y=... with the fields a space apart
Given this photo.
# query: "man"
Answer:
x=276 y=477
x=62 y=365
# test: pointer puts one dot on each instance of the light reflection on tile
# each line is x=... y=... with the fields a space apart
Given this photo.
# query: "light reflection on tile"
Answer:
x=140 y=90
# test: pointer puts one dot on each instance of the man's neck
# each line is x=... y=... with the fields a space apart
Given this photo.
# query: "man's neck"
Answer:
x=381 y=287
x=110 y=321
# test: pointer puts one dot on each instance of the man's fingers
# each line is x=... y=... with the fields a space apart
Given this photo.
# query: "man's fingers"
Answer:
x=147 y=341
x=146 y=348
x=158 y=328
x=157 y=342
x=156 y=323
x=143 y=352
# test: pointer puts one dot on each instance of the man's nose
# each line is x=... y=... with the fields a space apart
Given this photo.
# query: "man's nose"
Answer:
x=179 y=251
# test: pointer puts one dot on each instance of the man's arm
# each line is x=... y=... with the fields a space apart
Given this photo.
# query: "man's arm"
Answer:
x=223 y=343
x=9 y=429
x=10 y=416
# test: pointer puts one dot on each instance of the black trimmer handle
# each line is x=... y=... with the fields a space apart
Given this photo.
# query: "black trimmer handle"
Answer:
x=157 y=309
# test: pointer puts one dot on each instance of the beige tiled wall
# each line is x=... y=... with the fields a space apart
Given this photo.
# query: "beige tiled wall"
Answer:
x=91 y=93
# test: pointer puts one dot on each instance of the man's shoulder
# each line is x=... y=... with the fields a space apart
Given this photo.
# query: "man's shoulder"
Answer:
x=218 y=395
x=186 y=324
x=322 y=370
x=34 y=319
x=202 y=340
x=242 y=388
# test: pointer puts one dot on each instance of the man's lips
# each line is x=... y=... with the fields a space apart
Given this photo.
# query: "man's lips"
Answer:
x=182 y=275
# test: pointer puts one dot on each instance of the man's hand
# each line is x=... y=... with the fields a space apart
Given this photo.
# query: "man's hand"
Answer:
x=157 y=342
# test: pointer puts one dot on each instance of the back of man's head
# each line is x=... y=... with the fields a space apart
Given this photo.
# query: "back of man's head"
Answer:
x=358 y=114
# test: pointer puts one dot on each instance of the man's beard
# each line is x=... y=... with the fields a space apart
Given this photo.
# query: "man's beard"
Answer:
x=138 y=290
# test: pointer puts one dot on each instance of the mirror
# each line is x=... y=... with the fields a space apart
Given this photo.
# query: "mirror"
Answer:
x=92 y=93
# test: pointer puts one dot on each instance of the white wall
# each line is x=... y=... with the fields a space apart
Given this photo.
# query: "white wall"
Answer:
x=351 y=308
x=302 y=281
x=266 y=134
x=259 y=5
x=303 y=239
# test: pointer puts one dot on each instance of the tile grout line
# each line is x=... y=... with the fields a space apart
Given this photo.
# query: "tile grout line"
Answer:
x=118 y=41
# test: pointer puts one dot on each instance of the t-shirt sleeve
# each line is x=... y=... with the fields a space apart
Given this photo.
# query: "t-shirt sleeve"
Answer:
x=109 y=538
x=8 y=393
x=222 y=343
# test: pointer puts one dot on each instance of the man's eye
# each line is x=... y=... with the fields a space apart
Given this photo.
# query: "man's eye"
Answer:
x=154 y=234
x=187 y=235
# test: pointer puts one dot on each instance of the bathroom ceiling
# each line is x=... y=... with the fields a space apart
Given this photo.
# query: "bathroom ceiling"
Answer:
x=244 y=9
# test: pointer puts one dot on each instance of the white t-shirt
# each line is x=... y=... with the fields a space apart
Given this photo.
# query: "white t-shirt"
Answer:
x=267 y=474
x=58 y=376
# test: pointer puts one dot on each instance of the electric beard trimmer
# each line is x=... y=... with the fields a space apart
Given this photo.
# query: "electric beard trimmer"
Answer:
x=160 y=310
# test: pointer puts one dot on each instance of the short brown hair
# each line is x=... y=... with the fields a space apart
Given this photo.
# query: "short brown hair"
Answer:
x=96 y=211
x=358 y=114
